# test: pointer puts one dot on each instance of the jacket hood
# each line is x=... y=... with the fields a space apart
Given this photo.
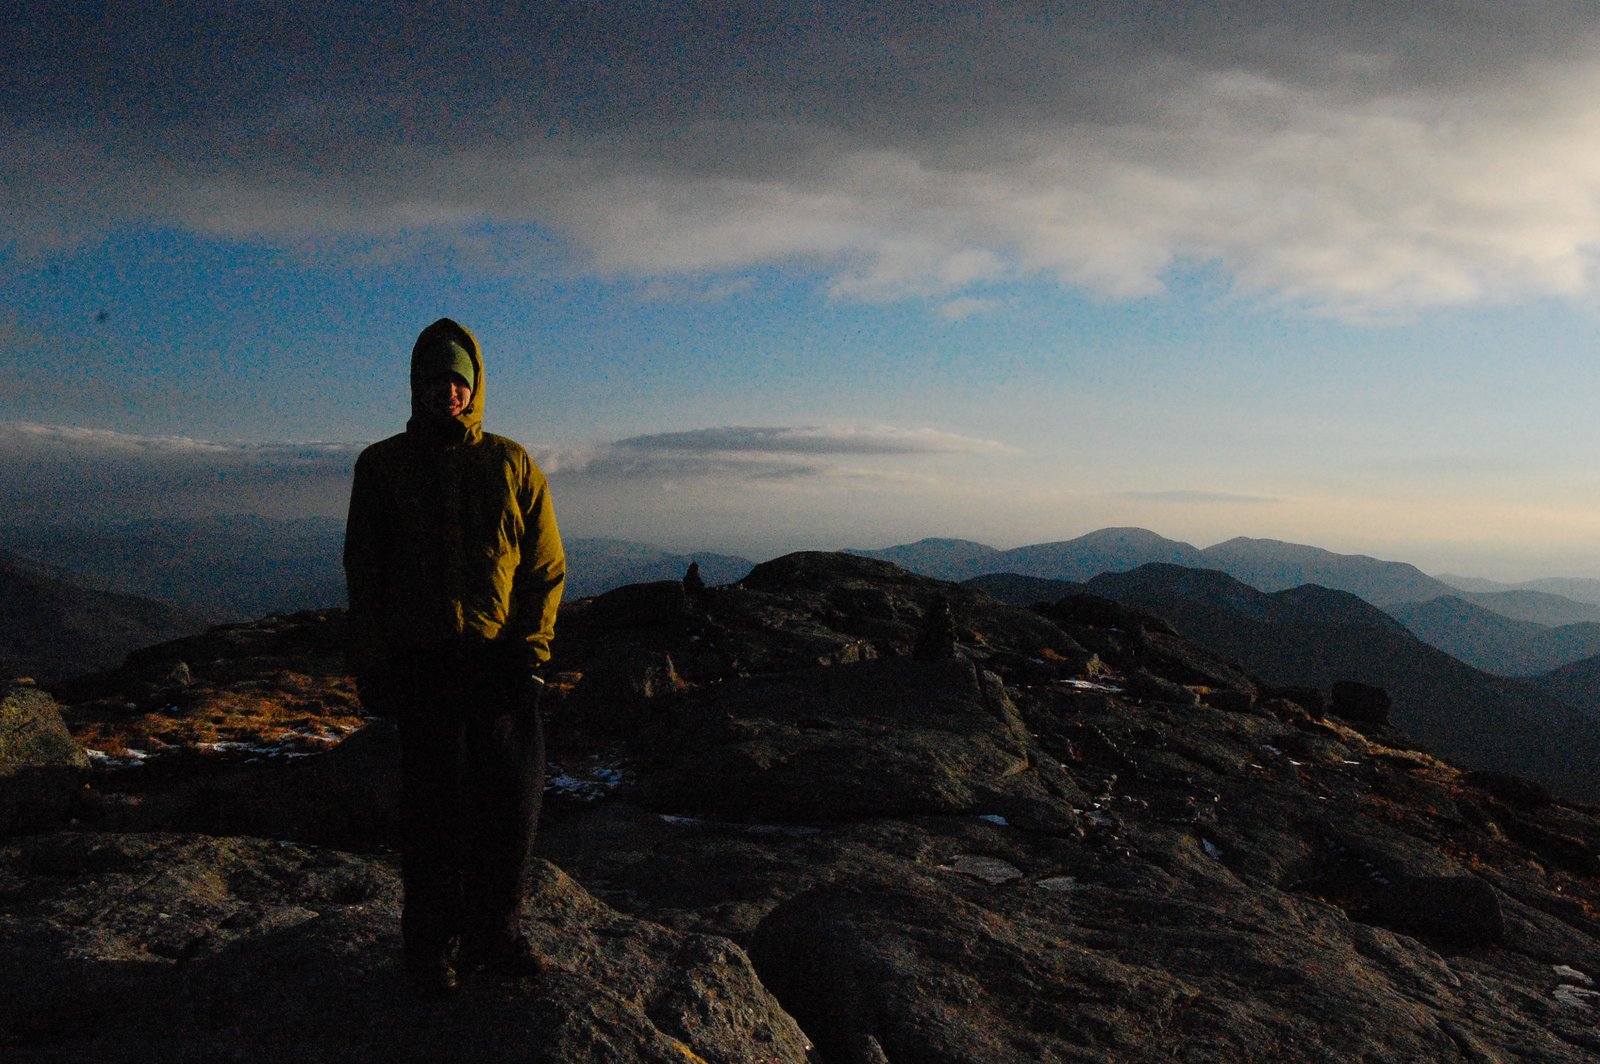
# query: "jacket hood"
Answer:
x=470 y=420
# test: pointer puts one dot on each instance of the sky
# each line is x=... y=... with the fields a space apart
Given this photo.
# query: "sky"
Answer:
x=756 y=277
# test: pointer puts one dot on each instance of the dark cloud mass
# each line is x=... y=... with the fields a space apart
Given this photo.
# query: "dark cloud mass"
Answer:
x=1354 y=156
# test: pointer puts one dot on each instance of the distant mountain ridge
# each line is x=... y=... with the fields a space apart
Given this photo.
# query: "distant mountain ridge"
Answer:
x=1104 y=550
x=942 y=559
x=1576 y=684
x=597 y=565
x=226 y=568
x=51 y=629
x=243 y=567
x=1540 y=607
x=1273 y=565
x=1495 y=643
x=1578 y=589
x=1265 y=564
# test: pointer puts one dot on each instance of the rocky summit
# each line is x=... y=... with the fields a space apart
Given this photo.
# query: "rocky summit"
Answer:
x=835 y=813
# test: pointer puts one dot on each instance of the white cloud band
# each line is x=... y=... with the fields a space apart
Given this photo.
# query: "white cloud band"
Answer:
x=1445 y=154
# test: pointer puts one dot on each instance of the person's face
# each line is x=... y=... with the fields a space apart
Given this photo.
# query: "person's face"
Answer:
x=443 y=395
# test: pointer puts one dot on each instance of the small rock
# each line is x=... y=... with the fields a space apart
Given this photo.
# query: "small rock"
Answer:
x=1360 y=703
x=989 y=869
x=1460 y=909
x=938 y=636
x=693 y=583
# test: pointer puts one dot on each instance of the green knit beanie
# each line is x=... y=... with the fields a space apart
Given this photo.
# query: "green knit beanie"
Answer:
x=445 y=356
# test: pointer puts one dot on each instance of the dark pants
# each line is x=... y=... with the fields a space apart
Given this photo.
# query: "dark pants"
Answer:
x=472 y=778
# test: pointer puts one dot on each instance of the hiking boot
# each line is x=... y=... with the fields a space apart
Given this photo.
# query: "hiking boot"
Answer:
x=432 y=977
x=510 y=958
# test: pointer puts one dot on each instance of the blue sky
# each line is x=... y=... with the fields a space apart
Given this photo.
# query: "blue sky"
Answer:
x=754 y=279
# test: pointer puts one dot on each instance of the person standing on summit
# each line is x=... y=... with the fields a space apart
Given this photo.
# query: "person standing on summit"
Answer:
x=455 y=571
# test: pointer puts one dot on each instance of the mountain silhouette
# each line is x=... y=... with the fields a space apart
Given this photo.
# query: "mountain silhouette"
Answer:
x=1310 y=636
x=1105 y=550
x=1272 y=565
x=1493 y=642
x=1265 y=564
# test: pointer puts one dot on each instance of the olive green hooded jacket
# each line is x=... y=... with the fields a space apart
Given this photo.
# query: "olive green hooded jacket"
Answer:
x=450 y=537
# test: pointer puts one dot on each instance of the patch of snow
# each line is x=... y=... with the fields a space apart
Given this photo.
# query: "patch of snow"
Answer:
x=126 y=758
x=234 y=746
x=1091 y=685
x=792 y=830
x=589 y=781
x=1099 y=818
x=994 y=818
x=991 y=870
x=1061 y=884
x=1213 y=851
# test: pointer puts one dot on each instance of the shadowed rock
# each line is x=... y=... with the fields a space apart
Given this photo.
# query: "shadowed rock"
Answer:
x=131 y=948
x=875 y=739
x=1360 y=703
x=41 y=765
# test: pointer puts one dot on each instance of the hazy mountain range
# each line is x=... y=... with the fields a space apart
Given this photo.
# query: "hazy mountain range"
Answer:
x=51 y=629
x=228 y=568
x=1265 y=564
x=242 y=567
x=239 y=568
x=1575 y=588
x=79 y=597
x=1496 y=642
x=1509 y=630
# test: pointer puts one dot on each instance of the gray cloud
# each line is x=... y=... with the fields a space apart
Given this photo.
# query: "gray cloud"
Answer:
x=52 y=472
x=722 y=459
x=811 y=440
x=1355 y=158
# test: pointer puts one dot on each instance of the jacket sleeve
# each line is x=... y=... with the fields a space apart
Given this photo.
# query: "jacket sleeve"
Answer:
x=365 y=556
x=542 y=572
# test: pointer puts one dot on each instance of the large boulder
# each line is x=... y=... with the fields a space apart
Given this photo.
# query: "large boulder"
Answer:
x=41 y=765
x=896 y=737
x=131 y=948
